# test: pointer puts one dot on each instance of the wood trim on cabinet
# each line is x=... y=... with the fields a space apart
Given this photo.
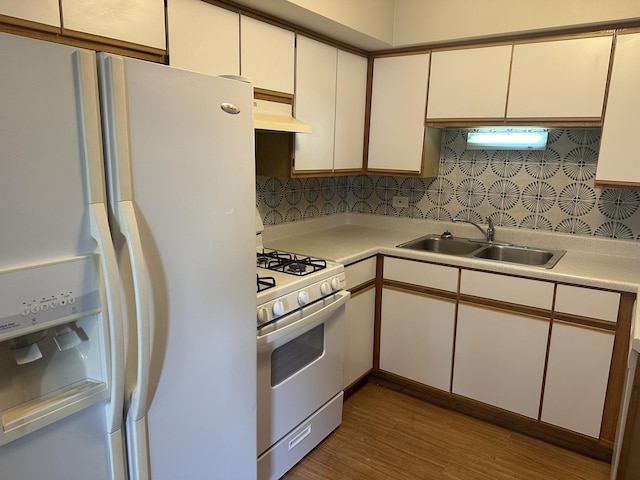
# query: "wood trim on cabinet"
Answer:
x=403 y=173
x=512 y=421
x=616 y=184
x=532 y=37
x=514 y=122
x=367 y=116
x=586 y=322
x=628 y=465
x=614 y=42
x=86 y=41
x=420 y=290
x=363 y=287
x=20 y=25
x=377 y=323
x=566 y=36
x=272 y=96
x=100 y=40
x=500 y=306
x=546 y=354
x=618 y=370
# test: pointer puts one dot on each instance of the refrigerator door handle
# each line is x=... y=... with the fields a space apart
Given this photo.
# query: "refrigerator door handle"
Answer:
x=139 y=400
x=101 y=233
x=88 y=112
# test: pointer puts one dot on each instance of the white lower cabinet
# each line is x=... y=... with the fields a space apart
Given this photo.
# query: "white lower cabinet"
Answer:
x=358 y=338
x=577 y=377
x=499 y=358
x=416 y=337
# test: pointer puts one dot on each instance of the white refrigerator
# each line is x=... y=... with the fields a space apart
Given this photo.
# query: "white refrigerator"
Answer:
x=153 y=374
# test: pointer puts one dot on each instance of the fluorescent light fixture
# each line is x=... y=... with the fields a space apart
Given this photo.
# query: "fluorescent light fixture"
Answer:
x=510 y=138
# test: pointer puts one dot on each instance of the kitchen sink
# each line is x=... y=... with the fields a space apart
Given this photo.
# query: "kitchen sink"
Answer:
x=499 y=252
x=521 y=255
x=449 y=246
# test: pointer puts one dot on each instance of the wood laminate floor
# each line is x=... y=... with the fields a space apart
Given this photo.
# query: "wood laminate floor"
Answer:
x=389 y=435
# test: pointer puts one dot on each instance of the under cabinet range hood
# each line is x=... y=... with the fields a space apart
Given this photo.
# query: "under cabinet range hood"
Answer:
x=276 y=117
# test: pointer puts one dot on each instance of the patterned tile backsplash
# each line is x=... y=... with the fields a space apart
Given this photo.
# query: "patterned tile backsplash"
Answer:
x=542 y=190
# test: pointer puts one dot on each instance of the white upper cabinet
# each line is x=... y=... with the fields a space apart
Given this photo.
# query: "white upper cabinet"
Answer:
x=331 y=97
x=559 y=79
x=267 y=55
x=469 y=83
x=619 y=162
x=398 y=106
x=315 y=103
x=351 y=104
x=203 y=38
x=46 y=12
x=136 y=21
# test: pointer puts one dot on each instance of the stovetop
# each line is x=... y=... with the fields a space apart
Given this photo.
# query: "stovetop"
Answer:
x=280 y=273
x=290 y=263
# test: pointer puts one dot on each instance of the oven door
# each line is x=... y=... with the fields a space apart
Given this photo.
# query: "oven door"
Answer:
x=299 y=368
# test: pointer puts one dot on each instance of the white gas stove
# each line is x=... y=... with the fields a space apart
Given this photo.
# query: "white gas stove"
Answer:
x=287 y=281
x=300 y=323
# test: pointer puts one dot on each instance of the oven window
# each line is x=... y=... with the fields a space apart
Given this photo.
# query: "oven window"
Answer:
x=296 y=354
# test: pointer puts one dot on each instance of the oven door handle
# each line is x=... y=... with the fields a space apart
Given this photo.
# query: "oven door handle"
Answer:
x=308 y=322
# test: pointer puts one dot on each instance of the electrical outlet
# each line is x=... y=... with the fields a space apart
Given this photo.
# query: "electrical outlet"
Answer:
x=400 y=202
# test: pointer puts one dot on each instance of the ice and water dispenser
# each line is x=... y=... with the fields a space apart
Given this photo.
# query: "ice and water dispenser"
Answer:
x=53 y=344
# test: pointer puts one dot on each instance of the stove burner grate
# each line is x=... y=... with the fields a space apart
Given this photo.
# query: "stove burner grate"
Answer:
x=265 y=283
x=288 y=263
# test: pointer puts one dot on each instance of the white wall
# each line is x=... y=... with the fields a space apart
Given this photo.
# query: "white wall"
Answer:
x=381 y=24
x=374 y=18
x=432 y=21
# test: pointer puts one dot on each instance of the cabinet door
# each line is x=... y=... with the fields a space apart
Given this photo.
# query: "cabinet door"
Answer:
x=559 y=79
x=577 y=376
x=136 y=22
x=315 y=102
x=398 y=104
x=267 y=55
x=358 y=338
x=499 y=358
x=45 y=12
x=351 y=102
x=416 y=337
x=618 y=162
x=203 y=38
x=469 y=83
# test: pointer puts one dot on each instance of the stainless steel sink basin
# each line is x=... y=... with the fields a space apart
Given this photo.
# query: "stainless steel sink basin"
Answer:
x=521 y=255
x=499 y=252
x=449 y=246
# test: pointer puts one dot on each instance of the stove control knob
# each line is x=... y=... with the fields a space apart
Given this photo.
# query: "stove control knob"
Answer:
x=278 y=308
x=303 y=297
x=335 y=283
x=325 y=288
x=263 y=315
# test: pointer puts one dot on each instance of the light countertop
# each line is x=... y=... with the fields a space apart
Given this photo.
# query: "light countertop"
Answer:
x=347 y=238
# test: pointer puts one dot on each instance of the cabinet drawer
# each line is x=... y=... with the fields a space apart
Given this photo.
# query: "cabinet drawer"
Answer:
x=523 y=291
x=423 y=274
x=587 y=302
x=360 y=272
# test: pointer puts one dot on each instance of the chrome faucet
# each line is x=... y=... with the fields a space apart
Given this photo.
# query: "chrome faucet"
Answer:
x=489 y=233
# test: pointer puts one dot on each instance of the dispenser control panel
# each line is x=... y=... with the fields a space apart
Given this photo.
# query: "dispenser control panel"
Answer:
x=40 y=296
